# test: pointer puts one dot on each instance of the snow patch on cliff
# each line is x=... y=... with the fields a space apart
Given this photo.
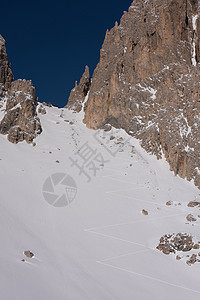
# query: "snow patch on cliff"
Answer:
x=194 y=25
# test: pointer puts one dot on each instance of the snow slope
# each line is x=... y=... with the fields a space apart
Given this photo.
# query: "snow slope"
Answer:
x=100 y=246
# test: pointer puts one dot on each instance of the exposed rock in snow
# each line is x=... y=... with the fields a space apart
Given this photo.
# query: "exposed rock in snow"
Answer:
x=191 y=218
x=194 y=204
x=179 y=243
x=28 y=254
x=145 y=212
x=41 y=110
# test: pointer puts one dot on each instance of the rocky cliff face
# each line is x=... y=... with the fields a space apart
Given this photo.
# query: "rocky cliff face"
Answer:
x=18 y=104
x=79 y=92
x=6 y=76
x=147 y=81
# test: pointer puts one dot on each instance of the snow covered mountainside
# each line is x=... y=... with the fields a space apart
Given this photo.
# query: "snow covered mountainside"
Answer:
x=92 y=234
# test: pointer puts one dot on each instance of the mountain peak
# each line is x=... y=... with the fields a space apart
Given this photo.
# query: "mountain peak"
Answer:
x=148 y=78
x=2 y=41
x=6 y=76
x=20 y=121
x=79 y=92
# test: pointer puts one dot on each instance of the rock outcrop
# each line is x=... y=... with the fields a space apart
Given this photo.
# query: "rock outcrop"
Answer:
x=181 y=244
x=170 y=243
x=147 y=81
x=79 y=92
x=20 y=121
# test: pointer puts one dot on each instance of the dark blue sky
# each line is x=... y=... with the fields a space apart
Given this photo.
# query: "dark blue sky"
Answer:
x=51 y=42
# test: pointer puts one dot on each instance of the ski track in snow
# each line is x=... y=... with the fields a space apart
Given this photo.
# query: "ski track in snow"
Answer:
x=149 y=277
x=147 y=249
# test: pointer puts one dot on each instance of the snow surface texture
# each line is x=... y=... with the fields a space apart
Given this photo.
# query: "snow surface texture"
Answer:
x=100 y=246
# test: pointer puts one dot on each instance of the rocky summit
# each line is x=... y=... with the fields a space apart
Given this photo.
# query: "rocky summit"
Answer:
x=147 y=81
x=18 y=104
x=6 y=76
x=79 y=92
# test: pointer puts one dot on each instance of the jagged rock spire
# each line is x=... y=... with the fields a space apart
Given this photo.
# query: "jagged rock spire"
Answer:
x=6 y=76
x=79 y=92
x=20 y=121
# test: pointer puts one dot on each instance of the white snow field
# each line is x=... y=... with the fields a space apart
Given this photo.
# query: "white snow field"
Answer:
x=100 y=246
